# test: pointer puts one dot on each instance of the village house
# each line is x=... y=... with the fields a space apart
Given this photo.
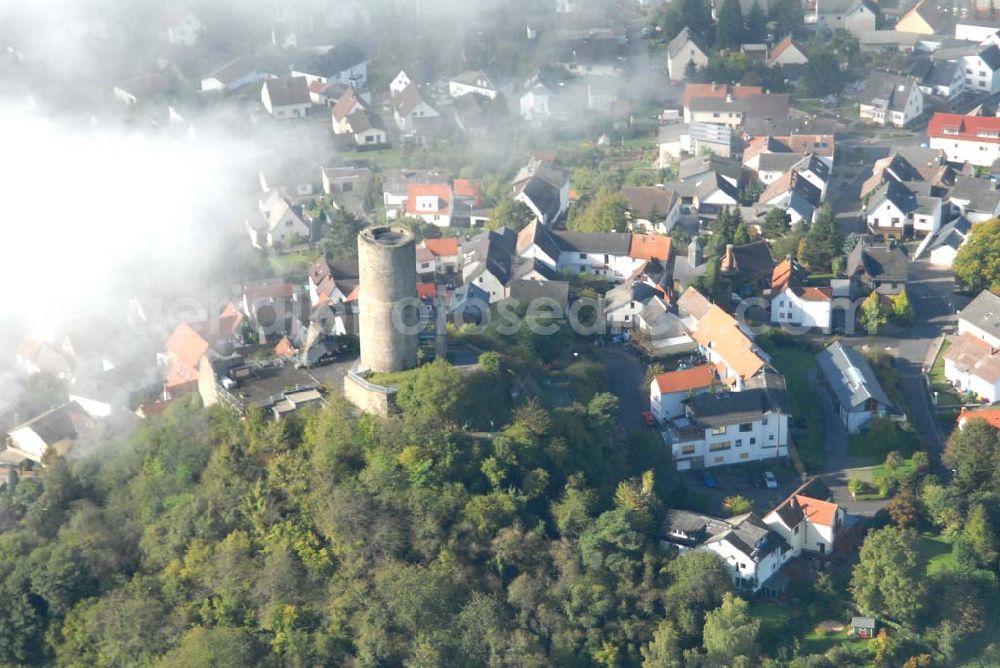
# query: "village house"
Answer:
x=396 y=187
x=723 y=341
x=973 y=30
x=592 y=51
x=233 y=75
x=924 y=19
x=890 y=100
x=668 y=391
x=276 y=388
x=734 y=110
x=695 y=92
x=348 y=187
x=660 y=331
x=332 y=283
x=472 y=81
x=683 y=49
x=880 y=268
x=747 y=266
x=903 y=210
x=287 y=97
x=854 y=16
x=978 y=199
x=344 y=64
x=972 y=360
x=652 y=208
x=788 y=55
x=807 y=523
x=278 y=222
x=544 y=188
x=990 y=415
x=438 y=256
x=944 y=247
x=57 y=430
x=431 y=202
x=796 y=304
x=542 y=98
x=980 y=65
x=411 y=111
x=753 y=553
x=731 y=427
x=184 y=28
x=857 y=395
x=971 y=139
x=796 y=194
x=941 y=78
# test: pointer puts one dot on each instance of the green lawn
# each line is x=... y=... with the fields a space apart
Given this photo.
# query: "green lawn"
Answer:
x=292 y=265
x=806 y=408
x=817 y=642
x=946 y=394
x=882 y=438
x=937 y=551
x=774 y=621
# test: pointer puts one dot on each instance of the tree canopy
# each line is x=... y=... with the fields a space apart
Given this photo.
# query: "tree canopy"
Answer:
x=977 y=264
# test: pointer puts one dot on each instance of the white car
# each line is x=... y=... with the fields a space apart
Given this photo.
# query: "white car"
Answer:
x=770 y=481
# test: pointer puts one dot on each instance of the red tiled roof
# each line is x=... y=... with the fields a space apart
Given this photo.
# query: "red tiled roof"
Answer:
x=991 y=415
x=285 y=348
x=967 y=128
x=819 y=512
x=439 y=190
x=695 y=378
x=782 y=45
x=186 y=345
x=719 y=331
x=694 y=91
x=427 y=290
x=445 y=246
x=778 y=187
x=467 y=188
x=650 y=247
x=783 y=272
x=817 y=294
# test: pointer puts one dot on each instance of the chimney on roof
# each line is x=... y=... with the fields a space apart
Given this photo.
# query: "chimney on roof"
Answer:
x=729 y=98
x=694 y=252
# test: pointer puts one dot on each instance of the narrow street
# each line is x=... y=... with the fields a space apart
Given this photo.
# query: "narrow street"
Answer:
x=625 y=374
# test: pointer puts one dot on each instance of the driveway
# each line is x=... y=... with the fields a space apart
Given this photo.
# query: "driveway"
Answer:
x=625 y=376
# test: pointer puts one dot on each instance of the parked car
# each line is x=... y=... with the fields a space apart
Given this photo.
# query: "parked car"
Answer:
x=709 y=480
x=770 y=481
x=648 y=419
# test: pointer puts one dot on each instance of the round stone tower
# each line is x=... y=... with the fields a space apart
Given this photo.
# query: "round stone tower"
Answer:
x=389 y=313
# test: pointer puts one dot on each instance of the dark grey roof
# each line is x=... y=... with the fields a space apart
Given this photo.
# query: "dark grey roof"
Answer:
x=779 y=162
x=538 y=234
x=682 y=38
x=805 y=188
x=751 y=537
x=938 y=73
x=628 y=292
x=494 y=250
x=885 y=90
x=645 y=201
x=713 y=181
x=851 y=377
x=523 y=266
x=546 y=197
x=991 y=56
x=288 y=90
x=56 y=424
x=527 y=291
x=952 y=234
x=819 y=167
x=863 y=622
x=331 y=63
x=690 y=168
x=752 y=259
x=612 y=243
x=880 y=263
x=981 y=194
x=983 y=312
x=902 y=197
x=727 y=408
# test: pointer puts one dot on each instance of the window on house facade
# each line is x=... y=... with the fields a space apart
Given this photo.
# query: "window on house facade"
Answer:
x=687 y=450
x=746 y=426
x=721 y=445
x=718 y=430
x=744 y=455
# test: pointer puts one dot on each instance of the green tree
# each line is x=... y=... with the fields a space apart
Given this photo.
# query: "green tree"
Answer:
x=775 y=223
x=973 y=453
x=697 y=15
x=608 y=212
x=872 y=313
x=889 y=578
x=977 y=263
x=902 y=310
x=823 y=240
x=787 y=15
x=730 y=634
x=729 y=26
x=737 y=505
x=980 y=535
x=664 y=650
x=823 y=74
x=699 y=581
x=212 y=647
x=741 y=235
x=510 y=213
x=756 y=24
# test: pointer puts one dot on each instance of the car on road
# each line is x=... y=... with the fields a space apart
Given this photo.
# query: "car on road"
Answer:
x=770 y=481
x=709 y=480
x=648 y=419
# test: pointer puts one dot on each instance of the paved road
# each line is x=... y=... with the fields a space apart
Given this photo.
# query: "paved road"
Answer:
x=625 y=375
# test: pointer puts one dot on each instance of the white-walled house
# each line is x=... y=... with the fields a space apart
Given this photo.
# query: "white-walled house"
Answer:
x=807 y=524
x=972 y=361
x=730 y=428
x=684 y=49
x=184 y=28
x=975 y=31
x=857 y=395
x=752 y=552
x=971 y=139
x=890 y=100
x=286 y=98
x=399 y=83
x=278 y=222
x=431 y=202
x=854 y=16
x=472 y=81
x=234 y=74
x=344 y=64
x=668 y=391
x=899 y=209
x=408 y=106
x=944 y=247
x=981 y=318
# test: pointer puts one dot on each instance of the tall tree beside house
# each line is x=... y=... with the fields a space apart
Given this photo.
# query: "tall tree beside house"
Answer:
x=741 y=235
x=977 y=263
x=775 y=223
x=823 y=74
x=730 y=633
x=756 y=25
x=872 y=313
x=902 y=310
x=608 y=212
x=889 y=578
x=668 y=19
x=510 y=213
x=729 y=26
x=824 y=240
x=340 y=236
x=974 y=453
x=787 y=15
x=691 y=71
x=723 y=229
x=697 y=15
